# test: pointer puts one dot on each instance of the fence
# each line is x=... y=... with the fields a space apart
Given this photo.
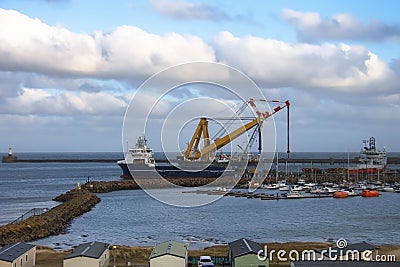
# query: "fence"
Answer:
x=30 y=213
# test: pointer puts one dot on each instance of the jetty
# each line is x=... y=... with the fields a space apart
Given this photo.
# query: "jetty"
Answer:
x=53 y=221
x=37 y=224
x=261 y=196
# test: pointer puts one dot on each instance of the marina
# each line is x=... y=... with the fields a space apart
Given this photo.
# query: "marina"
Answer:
x=318 y=219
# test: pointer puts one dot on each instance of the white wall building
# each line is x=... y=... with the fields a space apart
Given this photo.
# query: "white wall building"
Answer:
x=94 y=254
x=170 y=253
x=18 y=255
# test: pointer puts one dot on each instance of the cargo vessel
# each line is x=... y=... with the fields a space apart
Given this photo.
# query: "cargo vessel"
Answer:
x=140 y=160
x=370 y=160
x=197 y=162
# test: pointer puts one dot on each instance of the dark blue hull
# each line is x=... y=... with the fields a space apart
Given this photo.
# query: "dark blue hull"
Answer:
x=170 y=171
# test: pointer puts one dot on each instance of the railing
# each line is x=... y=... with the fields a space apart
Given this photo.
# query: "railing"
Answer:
x=30 y=213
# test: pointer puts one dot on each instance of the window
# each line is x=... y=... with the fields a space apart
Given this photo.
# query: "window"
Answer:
x=21 y=261
x=26 y=257
x=15 y=264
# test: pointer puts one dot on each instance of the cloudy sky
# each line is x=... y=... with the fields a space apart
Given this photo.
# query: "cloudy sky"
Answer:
x=69 y=68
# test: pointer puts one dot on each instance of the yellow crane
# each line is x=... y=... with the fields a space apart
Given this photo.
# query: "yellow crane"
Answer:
x=193 y=153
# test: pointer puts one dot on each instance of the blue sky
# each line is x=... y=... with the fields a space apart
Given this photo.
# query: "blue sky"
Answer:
x=69 y=68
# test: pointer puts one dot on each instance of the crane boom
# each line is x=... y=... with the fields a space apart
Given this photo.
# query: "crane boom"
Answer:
x=205 y=152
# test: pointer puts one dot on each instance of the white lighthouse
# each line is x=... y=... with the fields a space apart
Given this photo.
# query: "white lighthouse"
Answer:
x=9 y=158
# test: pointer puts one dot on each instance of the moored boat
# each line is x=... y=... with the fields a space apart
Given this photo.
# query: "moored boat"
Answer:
x=371 y=160
x=370 y=193
x=350 y=192
x=340 y=194
x=272 y=186
x=388 y=189
x=141 y=162
x=297 y=188
x=292 y=194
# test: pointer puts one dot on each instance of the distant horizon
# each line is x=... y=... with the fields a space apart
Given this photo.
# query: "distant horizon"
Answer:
x=15 y=153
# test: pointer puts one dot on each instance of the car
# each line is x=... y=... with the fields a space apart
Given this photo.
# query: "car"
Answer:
x=205 y=261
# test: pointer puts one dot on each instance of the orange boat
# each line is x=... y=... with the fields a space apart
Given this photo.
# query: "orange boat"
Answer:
x=370 y=193
x=340 y=194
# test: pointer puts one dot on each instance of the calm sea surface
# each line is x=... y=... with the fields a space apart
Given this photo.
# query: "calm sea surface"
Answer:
x=134 y=218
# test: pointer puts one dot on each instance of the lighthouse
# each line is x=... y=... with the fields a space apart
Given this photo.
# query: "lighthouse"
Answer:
x=9 y=158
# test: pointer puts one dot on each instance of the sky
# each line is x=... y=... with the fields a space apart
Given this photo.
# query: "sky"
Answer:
x=69 y=68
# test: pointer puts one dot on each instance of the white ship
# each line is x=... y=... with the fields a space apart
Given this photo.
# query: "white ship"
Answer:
x=371 y=160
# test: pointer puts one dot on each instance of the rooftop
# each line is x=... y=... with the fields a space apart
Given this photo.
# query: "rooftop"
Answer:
x=10 y=253
x=244 y=246
x=171 y=247
x=89 y=250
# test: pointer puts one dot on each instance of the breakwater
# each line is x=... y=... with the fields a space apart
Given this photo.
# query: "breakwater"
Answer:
x=74 y=203
x=332 y=161
x=262 y=196
x=109 y=186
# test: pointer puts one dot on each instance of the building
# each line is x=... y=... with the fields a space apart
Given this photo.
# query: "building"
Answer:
x=245 y=253
x=93 y=254
x=18 y=255
x=170 y=253
x=344 y=264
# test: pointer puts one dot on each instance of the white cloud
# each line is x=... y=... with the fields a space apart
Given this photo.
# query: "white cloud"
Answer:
x=130 y=51
x=43 y=102
x=52 y=76
x=275 y=63
x=30 y=45
x=312 y=27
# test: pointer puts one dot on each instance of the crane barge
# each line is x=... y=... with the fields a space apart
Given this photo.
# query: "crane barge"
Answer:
x=196 y=162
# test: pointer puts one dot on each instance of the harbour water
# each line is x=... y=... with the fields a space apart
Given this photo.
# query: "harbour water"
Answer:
x=134 y=218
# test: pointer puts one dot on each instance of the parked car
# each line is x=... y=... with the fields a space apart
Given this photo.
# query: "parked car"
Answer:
x=205 y=261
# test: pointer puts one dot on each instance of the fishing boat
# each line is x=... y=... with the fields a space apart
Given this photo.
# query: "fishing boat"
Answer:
x=370 y=160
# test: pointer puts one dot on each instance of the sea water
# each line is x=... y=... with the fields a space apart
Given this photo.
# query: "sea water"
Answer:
x=134 y=218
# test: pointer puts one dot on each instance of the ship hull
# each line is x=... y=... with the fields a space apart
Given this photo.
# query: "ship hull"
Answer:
x=371 y=170
x=170 y=171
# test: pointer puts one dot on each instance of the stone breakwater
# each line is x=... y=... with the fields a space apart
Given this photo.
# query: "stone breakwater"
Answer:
x=78 y=201
x=104 y=187
x=75 y=203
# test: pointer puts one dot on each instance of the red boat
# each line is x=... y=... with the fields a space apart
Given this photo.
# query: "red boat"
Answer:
x=340 y=194
x=370 y=193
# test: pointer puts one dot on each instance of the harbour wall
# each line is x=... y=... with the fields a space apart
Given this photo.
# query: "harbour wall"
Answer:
x=332 y=161
x=75 y=203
